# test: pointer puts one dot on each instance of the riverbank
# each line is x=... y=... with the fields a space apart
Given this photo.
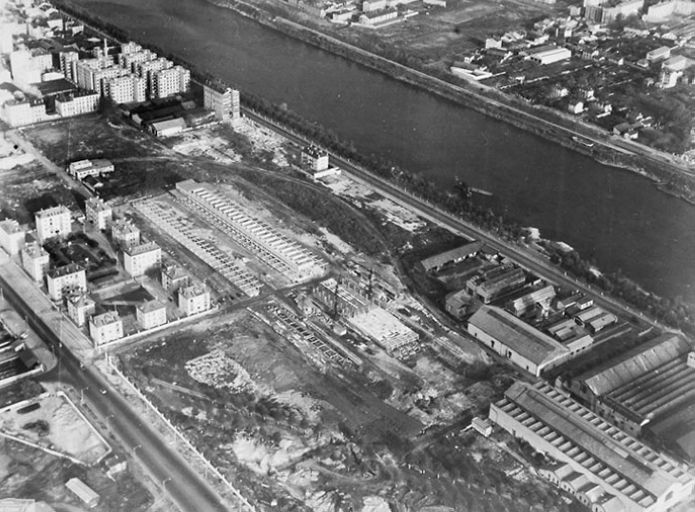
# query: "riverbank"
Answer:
x=549 y=125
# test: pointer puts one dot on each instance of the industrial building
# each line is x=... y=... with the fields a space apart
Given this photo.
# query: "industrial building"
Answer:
x=457 y=304
x=439 y=261
x=151 y=314
x=83 y=168
x=603 y=467
x=385 y=329
x=98 y=213
x=314 y=158
x=540 y=298
x=337 y=299
x=35 y=261
x=269 y=245
x=641 y=386
x=80 y=308
x=193 y=299
x=58 y=279
x=167 y=127
x=179 y=229
x=522 y=344
x=83 y=492
x=139 y=259
x=105 y=328
x=52 y=222
x=492 y=284
x=125 y=233
x=12 y=236
x=548 y=54
x=226 y=104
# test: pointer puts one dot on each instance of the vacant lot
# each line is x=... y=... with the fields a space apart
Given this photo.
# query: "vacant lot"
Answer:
x=91 y=137
x=28 y=188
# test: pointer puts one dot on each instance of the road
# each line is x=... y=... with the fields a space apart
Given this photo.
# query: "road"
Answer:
x=527 y=259
x=186 y=488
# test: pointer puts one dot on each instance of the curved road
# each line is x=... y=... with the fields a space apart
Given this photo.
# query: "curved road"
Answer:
x=186 y=488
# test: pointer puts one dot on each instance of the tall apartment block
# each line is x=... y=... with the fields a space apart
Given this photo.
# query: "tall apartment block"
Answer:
x=35 y=261
x=52 y=222
x=169 y=82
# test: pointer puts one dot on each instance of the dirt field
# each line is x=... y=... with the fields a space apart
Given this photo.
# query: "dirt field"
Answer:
x=28 y=188
x=55 y=424
x=29 y=473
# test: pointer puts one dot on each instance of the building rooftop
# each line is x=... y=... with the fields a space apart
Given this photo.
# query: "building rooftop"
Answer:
x=55 y=87
x=174 y=272
x=124 y=226
x=517 y=335
x=151 y=305
x=55 y=210
x=177 y=122
x=460 y=252
x=142 y=249
x=80 y=301
x=10 y=226
x=96 y=203
x=624 y=368
x=110 y=317
x=70 y=268
x=314 y=151
x=636 y=471
x=195 y=290
x=34 y=250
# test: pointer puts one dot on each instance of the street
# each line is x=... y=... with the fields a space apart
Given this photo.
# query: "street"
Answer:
x=186 y=488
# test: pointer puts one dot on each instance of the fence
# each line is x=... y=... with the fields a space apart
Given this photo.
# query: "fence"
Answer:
x=246 y=505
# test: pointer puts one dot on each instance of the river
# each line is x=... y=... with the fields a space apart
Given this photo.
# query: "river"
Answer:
x=613 y=216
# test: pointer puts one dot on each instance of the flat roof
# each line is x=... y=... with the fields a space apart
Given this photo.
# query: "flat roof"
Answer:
x=110 y=317
x=54 y=210
x=194 y=290
x=10 y=226
x=519 y=336
x=151 y=305
x=55 y=87
x=70 y=268
x=142 y=249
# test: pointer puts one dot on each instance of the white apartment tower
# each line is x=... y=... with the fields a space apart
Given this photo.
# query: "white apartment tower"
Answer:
x=98 y=212
x=35 y=261
x=52 y=222
x=11 y=236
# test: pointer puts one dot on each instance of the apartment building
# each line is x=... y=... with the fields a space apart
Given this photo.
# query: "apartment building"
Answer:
x=35 y=261
x=151 y=314
x=60 y=278
x=12 y=236
x=105 y=328
x=139 y=259
x=193 y=299
x=169 y=82
x=225 y=104
x=174 y=277
x=125 y=233
x=80 y=307
x=98 y=213
x=52 y=222
x=77 y=103
x=127 y=89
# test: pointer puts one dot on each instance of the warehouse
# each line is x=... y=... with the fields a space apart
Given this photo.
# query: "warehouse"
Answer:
x=269 y=245
x=385 y=329
x=602 y=466
x=549 y=54
x=644 y=384
x=438 y=261
x=523 y=345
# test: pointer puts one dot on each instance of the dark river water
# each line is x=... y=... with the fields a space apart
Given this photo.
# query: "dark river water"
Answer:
x=616 y=217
